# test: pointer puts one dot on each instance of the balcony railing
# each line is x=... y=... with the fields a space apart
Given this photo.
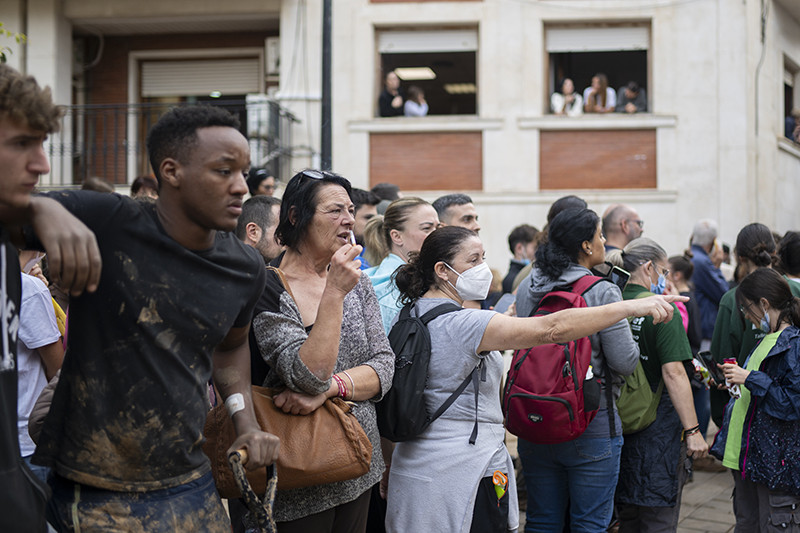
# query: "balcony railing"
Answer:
x=108 y=141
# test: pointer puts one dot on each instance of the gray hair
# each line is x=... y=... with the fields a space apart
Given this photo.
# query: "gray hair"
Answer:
x=704 y=232
x=636 y=253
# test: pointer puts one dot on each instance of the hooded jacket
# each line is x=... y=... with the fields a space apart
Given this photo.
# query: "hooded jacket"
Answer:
x=771 y=437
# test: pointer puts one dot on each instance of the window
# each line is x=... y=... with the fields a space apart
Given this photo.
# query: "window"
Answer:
x=442 y=63
x=791 y=97
x=579 y=52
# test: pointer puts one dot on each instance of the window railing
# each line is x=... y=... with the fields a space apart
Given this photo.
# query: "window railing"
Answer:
x=109 y=140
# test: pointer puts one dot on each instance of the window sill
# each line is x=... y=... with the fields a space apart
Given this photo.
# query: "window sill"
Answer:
x=611 y=121
x=437 y=123
x=789 y=147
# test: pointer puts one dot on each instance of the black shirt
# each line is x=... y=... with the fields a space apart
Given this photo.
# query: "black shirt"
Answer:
x=22 y=496
x=385 y=105
x=129 y=410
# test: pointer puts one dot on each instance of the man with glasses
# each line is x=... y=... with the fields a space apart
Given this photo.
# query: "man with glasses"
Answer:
x=621 y=224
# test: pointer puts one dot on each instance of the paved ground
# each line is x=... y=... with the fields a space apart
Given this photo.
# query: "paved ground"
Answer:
x=706 y=504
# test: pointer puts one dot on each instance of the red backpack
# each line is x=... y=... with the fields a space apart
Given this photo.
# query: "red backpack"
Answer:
x=551 y=394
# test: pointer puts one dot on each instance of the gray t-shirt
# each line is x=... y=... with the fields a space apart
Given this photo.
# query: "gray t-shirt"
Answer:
x=455 y=338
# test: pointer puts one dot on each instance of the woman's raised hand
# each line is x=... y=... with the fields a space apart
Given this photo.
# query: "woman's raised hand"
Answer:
x=345 y=269
x=658 y=307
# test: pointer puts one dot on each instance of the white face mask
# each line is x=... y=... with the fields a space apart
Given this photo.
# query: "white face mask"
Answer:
x=474 y=283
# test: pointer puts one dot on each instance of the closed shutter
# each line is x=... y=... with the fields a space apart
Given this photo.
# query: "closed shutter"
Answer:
x=201 y=77
x=403 y=42
x=597 y=39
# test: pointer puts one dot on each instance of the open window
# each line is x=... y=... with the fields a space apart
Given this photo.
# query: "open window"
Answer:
x=791 y=97
x=440 y=62
x=578 y=52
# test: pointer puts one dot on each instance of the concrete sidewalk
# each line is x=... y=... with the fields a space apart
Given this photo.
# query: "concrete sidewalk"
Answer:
x=706 y=503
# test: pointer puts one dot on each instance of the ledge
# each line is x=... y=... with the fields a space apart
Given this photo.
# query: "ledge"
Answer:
x=425 y=124
x=547 y=197
x=789 y=147
x=610 y=121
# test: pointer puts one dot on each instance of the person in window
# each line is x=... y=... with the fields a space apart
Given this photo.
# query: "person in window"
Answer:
x=390 y=102
x=792 y=123
x=567 y=102
x=631 y=99
x=599 y=97
x=415 y=105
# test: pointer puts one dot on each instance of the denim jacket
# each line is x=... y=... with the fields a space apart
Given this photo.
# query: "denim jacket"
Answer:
x=771 y=437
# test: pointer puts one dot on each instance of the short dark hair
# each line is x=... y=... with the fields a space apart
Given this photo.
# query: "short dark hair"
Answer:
x=417 y=276
x=24 y=103
x=143 y=182
x=443 y=203
x=257 y=209
x=633 y=87
x=255 y=177
x=524 y=234
x=789 y=253
x=301 y=194
x=386 y=191
x=361 y=197
x=175 y=133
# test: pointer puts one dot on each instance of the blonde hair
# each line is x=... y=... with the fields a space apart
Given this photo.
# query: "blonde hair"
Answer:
x=636 y=253
x=377 y=236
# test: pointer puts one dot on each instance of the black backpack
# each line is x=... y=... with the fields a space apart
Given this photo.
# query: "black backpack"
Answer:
x=401 y=413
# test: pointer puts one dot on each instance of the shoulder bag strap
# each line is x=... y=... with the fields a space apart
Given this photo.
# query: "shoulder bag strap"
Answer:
x=278 y=272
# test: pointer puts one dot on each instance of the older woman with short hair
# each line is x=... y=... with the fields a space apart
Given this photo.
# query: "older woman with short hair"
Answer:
x=322 y=336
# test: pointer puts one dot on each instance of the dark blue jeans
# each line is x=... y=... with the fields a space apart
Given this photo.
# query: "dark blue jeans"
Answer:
x=193 y=506
x=583 y=472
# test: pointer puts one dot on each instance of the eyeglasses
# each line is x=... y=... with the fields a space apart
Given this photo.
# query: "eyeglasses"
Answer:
x=745 y=308
x=639 y=222
x=317 y=174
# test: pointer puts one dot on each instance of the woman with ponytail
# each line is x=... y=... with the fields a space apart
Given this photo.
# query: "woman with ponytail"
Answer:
x=653 y=467
x=390 y=239
x=439 y=481
x=580 y=474
x=734 y=337
x=760 y=435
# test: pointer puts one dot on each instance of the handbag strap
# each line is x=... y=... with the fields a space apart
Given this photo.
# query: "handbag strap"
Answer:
x=283 y=279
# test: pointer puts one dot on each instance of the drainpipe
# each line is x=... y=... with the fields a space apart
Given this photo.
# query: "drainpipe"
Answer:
x=325 y=136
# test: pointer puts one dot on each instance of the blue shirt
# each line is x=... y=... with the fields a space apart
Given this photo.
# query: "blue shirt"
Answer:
x=386 y=289
x=709 y=288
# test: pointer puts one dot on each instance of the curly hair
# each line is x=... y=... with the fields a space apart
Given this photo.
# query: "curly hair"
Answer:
x=175 y=133
x=24 y=103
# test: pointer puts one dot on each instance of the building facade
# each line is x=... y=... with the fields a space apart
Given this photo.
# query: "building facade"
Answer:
x=720 y=78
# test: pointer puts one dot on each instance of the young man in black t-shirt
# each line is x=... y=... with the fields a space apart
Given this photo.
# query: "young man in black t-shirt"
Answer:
x=174 y=304
x=27 y=115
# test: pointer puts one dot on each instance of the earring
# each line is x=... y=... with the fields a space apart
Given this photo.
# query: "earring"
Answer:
x=588 y=252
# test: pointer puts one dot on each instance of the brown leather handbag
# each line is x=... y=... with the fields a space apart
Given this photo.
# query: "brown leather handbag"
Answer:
x=324 y=446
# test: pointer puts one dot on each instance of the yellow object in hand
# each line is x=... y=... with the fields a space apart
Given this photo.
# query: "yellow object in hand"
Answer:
x=500 y=481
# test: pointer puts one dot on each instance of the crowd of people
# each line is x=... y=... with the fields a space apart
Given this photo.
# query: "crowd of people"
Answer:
x=183 y=295
x=598 y=97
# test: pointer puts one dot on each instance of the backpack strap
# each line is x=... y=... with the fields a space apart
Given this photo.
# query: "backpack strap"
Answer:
x=438 y=311
x=584 y=283
x=473 y=376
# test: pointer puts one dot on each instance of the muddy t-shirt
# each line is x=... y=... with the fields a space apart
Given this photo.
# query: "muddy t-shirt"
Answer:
x=129 y=410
